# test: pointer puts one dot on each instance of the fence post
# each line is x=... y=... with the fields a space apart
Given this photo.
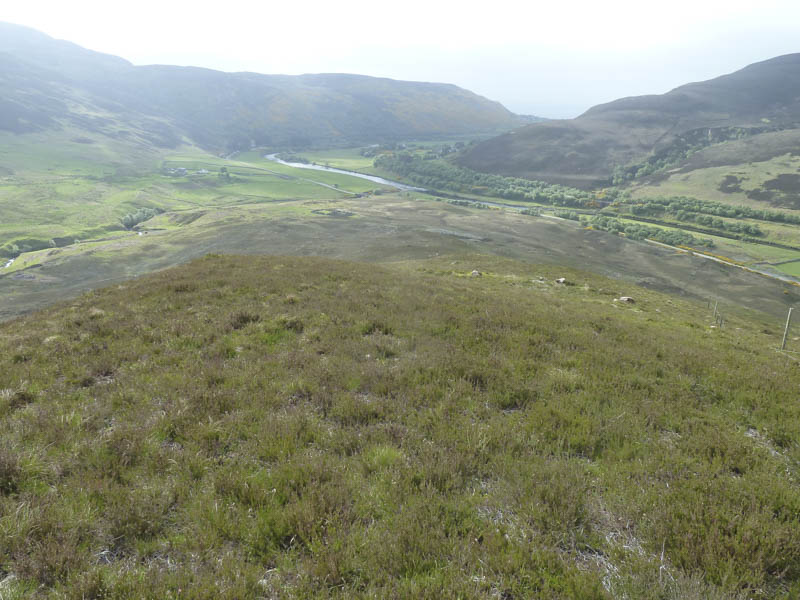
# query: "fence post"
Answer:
x=786 y=329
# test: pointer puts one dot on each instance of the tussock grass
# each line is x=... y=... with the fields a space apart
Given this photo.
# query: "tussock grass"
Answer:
x=249 y=427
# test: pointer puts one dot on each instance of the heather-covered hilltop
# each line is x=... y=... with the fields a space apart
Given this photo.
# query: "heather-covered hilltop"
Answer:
x=249 y=427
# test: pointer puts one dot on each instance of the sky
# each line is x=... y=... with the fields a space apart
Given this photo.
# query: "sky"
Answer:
x=553 y=59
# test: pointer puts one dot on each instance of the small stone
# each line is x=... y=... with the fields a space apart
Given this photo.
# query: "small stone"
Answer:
x=475 y=274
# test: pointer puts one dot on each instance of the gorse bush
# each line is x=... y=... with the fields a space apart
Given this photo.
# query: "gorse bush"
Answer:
x=250 y=427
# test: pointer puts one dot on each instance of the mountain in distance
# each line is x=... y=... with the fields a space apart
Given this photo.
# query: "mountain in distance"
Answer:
x=49 y=84
x=752 y=108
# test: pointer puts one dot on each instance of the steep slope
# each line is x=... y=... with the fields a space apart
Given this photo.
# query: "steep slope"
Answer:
x=662 y=129
x=46 y=83
x=250 y=427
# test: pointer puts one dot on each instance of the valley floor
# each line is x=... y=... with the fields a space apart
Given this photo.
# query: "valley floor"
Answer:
x=270 y=208
x=388 y=227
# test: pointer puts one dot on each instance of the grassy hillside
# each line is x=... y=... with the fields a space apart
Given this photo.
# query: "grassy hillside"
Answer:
x=636 y=136
x=57 y=192
x=243 y=427
x=769 y=184
x=48 y=84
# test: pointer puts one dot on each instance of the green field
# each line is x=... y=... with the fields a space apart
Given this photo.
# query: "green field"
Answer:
x=352 y=159
x=62 y=202
x=743 y=251
x=792 y=268
x=349 y=159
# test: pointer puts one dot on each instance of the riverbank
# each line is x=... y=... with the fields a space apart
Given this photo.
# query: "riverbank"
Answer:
x=373 y=178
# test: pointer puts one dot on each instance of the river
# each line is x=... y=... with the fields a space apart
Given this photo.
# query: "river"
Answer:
x=373 y=178
x=397 y=184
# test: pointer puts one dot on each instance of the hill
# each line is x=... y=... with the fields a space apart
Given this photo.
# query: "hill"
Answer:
x=48 y=85
x=636 y=136
x=242 y=427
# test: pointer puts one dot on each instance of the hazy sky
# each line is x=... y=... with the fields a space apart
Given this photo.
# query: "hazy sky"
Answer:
x=552 y=59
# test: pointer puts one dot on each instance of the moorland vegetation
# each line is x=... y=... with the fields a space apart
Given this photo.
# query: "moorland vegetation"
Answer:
x=249 y=427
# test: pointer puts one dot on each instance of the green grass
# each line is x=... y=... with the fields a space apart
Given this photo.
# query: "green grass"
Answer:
x=704 y=183
x=243 y=427
x=751 y=253
x=64 y=204
x=792 y=268
x=346 y=158
x=58 y=154
x=747 y=252
x=352 y=160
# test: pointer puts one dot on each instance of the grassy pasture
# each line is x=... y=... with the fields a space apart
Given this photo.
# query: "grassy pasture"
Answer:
x=256 y=166
x=747 y=252
x=345 y=158
x=59 y=202
x=792 y=268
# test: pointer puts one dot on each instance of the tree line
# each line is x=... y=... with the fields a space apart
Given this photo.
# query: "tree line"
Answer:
x=637 y=231
x=441 y=175
x=683 y=204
